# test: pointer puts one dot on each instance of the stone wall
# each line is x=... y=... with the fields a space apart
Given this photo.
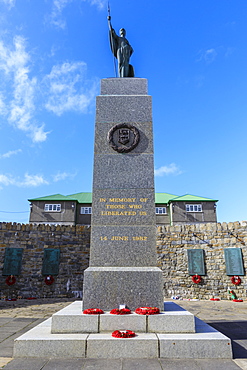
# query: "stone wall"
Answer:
x=74 y=243
x=172 y=245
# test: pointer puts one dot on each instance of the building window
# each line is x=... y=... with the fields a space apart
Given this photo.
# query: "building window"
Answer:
x=86 y=210
x=52 y=207
x=193 y=208
x=160 y=210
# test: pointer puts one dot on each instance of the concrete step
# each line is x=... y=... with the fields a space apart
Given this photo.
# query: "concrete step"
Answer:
x=172 y=320
x=206 y=342
x=39 y=342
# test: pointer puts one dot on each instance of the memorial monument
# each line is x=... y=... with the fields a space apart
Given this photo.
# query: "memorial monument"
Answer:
x=122 y=268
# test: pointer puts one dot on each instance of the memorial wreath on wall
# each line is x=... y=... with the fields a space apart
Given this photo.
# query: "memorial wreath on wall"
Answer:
x=236 y=280
x=49 y=280
x=196 y=279
x=10 y=280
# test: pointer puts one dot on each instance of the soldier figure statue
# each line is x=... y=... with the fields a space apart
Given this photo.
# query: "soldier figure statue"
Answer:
x=122 y=50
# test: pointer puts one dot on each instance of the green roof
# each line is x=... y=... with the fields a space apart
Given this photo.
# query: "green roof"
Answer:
x=160 y=198
x=163 y=197
x=53 y=197
x=82 y=197
x=192 y=198
x=79 y=197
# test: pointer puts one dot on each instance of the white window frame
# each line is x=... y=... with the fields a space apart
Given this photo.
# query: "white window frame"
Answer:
x=86 y=210
x=160 y=211
x=193 y=207
x=52 y=208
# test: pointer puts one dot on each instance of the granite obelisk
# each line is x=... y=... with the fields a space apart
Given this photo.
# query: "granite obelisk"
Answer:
x=122 y=267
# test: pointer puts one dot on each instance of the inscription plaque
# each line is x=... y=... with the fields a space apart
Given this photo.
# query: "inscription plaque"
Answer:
x=196 y=263
x=234 y=261
x=12 y=261
x=51 y=261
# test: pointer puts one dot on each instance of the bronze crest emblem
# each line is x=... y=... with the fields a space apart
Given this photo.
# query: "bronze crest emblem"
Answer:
x=123 y=137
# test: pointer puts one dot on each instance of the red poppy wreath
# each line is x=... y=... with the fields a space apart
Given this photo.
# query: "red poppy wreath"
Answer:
x=147 y=311
x=10 y=280
x=93 y=311
x=120 y=311
x=123 y=334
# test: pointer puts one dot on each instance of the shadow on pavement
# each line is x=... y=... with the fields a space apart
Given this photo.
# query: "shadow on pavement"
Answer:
x=237 y=332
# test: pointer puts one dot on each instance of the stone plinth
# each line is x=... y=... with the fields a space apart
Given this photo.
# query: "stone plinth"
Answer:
x=71 y=320
x=41 y=341
x=122 y=266
x=105 y=346
x=133 y=286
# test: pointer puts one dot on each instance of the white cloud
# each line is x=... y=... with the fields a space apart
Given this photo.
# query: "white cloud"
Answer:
x=3 y=108
x=6 y=180
x=171 y=169
x=38 y=135
x=32 y=180
x=66 y=89
x=28 y=181
x=62 y=176
x=56 y=18
x=9 y=3
x=10 y=153
x=20 y=111
x=100 y=3
x=207 y=56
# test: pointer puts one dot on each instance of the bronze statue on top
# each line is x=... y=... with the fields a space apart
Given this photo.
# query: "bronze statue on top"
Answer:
x=122 y=50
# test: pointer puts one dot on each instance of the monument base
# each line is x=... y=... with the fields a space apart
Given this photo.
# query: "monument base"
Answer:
x=168 y=338
x=109 y=287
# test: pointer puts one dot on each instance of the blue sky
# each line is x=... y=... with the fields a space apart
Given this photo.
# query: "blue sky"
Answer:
x=53 y=54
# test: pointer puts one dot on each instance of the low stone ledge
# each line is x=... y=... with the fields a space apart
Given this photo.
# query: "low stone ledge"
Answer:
x=105 y=346
x=171 y=322
x=134 y=322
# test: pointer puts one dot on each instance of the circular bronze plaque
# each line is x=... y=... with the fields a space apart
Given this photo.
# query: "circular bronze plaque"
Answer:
x=123 y=137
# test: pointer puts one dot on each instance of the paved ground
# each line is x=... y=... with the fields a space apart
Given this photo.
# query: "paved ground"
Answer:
x=19 y=316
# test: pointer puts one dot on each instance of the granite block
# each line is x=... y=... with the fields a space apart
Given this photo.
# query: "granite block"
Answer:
x=108 y=287
x=39 y=342
x=171 y=322
x=115 y=245
x=145 y=144
x=134 y=322
x=71 y=320
x=123 y=108
x=105 y=346
x=124 y=86
x=124 y=171
x=197 y=345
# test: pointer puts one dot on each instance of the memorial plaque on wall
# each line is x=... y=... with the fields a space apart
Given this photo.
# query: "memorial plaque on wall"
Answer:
x=12 y=261
x=196 y=264
x=234 y=261
x=51 y=261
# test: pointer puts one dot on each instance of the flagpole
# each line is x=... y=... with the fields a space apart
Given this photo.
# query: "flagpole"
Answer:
x=109 y=22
